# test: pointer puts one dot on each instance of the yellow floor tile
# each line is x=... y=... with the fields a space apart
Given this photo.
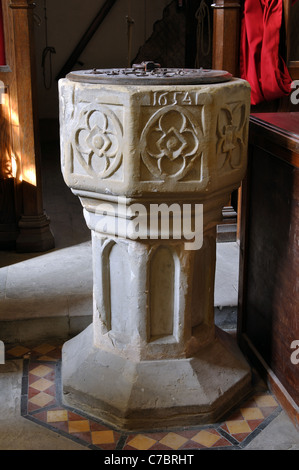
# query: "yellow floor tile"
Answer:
x=173 y=440
x=265 y=400
x=42 y=399
x=252 y=413
x=18 y=351
x=102 y=437
x=41 y=371
x=206 y=438
x=41 y=384
x=47 y=359
x=79 y=426
x=141 y=442
x=238 y=426
x=44 y=348
x=56 y=416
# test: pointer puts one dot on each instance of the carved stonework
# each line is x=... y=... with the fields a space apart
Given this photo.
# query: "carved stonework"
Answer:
x=170 y=143
x=126 y=140
x=96 y=143
x=232 y=136
x=153 y=164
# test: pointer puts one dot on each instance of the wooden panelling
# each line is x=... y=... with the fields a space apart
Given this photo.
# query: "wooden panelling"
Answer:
x=226 y=36
x=269 y=261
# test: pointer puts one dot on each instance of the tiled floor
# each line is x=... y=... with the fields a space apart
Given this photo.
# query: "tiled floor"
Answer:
x=57 y=296
x=41 y=403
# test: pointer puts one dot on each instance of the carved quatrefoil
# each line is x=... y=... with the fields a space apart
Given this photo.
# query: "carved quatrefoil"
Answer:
x=170 y=143
x=97 y=141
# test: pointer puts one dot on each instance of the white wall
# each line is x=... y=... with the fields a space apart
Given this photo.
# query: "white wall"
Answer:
x=67 y=22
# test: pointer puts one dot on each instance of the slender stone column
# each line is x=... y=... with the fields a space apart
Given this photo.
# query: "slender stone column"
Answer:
x=153 y=166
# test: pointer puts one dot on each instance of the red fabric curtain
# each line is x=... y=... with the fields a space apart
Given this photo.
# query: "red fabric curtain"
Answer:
x=260 y=62
x=2 y=45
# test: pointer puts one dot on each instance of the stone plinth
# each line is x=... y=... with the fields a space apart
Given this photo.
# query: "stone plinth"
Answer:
x=153 y=166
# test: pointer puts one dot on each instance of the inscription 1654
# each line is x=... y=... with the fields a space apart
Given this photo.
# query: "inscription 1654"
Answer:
x=166 y=98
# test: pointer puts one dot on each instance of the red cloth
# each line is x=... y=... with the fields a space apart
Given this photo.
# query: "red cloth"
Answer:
x=2 y=45
x=260 y=62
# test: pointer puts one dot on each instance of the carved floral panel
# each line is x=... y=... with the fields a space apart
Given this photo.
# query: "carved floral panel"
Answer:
x=96 y=142
x=170 y=143
x=231 y=136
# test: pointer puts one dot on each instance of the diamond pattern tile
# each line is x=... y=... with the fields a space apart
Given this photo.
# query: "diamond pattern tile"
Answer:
x=265 y=400
x=173 y=440
x=45 y=351
x=57 y=416
x=141 y=442
x=40 y=403
x=206 y=438
x=238 y=427
x=103 y=437
x=42 y=384
x=41 y=371
x=17 y=351
x=44 y=348
x=42 y=399
x=252 y=413
x=79 y=426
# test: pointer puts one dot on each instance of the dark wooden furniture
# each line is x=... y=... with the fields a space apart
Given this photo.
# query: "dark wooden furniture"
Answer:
x=269 y=256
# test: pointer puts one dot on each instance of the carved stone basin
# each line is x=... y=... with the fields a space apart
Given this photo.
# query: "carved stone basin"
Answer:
x=153 y=162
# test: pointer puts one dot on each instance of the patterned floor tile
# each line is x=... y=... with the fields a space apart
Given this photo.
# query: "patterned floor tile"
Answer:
x=252 y=413
x=173 y=440
x=44 y=349
x=41 y=402
x=179 y=440
x=265 y=400
x=238 y=427
x=102 y=437
x=17 y=351
x=56 y=416
x=41 y=385
x=206 y=438
x=40 y=370
x=79 y=426
x=140 y=442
